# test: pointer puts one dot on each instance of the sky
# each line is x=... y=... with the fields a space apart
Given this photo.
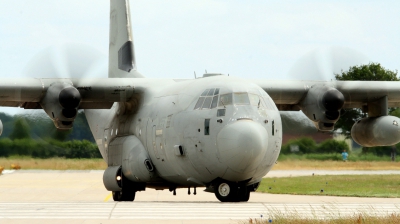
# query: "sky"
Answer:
x=309 y=39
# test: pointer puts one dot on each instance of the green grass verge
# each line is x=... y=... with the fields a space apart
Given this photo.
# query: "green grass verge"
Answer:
x=334 y=157
x=354 y=219
x=387 y=186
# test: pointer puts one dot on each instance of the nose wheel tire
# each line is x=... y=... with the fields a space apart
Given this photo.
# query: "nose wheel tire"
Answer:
x=123 y=195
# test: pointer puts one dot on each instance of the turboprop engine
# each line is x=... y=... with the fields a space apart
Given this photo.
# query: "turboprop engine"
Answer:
x=322 y=105
x=128 y=161
x=61 y=103
x=376 y=131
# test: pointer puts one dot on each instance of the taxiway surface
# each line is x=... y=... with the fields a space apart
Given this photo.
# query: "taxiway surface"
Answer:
x=80 y=197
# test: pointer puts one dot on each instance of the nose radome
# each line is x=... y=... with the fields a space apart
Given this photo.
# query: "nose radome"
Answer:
x=242 y=146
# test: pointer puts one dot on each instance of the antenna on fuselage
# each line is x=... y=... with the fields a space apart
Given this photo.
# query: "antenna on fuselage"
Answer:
x=206 y=70
x=195 y=75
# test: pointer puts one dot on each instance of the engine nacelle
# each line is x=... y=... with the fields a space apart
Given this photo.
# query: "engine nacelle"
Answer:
x=376 y=131
x=61 y=103
x=322 y=105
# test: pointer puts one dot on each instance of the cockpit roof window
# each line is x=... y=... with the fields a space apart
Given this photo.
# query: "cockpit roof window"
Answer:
x=211 y=92
x=205 y=92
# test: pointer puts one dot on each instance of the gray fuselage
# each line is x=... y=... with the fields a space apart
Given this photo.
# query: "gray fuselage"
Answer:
x=196 y=131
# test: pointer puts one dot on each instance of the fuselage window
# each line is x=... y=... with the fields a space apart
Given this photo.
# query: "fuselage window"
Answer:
x=207 y=127
x=241 y=98
x=273 y=128
x=221 y=112
x=225 y=99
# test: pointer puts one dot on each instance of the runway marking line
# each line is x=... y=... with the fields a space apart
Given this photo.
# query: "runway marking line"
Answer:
x=108 y=197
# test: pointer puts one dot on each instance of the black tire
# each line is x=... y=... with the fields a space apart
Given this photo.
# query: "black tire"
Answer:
x=226 y=191
x=244 y=194
x=116 y=195
x=123 y=195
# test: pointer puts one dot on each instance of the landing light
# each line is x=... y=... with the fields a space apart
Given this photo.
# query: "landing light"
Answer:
x=118 y=178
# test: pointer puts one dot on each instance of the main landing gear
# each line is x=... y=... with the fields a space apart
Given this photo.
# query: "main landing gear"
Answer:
x=123 y=195
x=231 y=192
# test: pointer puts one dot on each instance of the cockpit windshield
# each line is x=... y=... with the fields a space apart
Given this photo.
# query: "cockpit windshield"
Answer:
x=210 y=99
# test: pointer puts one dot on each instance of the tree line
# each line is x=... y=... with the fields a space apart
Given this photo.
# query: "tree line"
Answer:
x=35 y=135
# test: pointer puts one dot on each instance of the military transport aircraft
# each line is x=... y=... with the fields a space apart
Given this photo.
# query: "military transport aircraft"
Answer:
x=217 y=131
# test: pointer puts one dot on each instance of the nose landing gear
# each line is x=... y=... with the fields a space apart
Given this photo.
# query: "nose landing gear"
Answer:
x=231 y=192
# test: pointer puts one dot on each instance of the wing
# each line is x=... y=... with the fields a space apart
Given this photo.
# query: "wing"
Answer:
x=288 y=94
x=29 y=93
x=321 y=101
x=61 y=98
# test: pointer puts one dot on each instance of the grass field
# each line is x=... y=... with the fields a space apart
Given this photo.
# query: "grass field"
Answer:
x=335 y=165
x=343 y=185
x=288 y=164
x=54 y=163
x=355 y=219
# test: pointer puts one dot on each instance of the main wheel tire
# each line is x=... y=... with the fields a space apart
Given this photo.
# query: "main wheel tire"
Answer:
x=226 y=192
x=116 y=195
x=123 y=195
x=244 y=194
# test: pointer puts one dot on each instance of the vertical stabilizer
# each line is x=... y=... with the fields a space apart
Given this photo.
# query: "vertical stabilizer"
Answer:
x=121 y=61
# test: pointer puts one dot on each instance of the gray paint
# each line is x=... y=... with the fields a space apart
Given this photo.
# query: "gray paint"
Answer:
x=373 y=131
x=134 y=120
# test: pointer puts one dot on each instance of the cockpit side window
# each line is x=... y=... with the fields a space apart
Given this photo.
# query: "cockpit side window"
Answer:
x=208 y=99
x=207 y=103
x=214 y=102
x=225 y=99
x=199 y=103
x=256 y=100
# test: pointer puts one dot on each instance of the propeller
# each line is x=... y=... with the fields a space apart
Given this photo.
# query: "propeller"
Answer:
x=70 y=60
x=323 y=63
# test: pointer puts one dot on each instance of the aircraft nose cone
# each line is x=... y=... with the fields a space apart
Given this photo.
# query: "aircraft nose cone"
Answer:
x=241 y=146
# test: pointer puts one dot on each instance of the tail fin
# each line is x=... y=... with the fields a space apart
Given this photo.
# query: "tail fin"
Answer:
x=121 y=61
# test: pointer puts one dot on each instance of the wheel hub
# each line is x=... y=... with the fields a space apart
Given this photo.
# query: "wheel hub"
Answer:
x=224 y=189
